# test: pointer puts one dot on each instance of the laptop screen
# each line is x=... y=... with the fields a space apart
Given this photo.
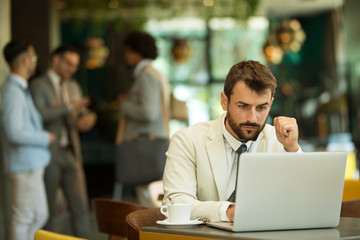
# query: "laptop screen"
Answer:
x=289 y=190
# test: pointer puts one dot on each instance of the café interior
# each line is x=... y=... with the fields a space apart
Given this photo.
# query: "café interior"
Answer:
x=311 y=46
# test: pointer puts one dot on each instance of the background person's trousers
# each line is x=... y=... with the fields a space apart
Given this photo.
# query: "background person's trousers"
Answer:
x=66 y=172
x=29 y=210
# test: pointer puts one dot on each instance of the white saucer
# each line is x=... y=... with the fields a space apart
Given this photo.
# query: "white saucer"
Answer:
x=189 y=224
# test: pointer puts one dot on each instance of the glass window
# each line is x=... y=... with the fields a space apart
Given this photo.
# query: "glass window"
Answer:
x=232 y=42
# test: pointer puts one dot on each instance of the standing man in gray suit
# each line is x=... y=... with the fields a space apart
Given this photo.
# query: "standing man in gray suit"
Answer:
x=63 y=109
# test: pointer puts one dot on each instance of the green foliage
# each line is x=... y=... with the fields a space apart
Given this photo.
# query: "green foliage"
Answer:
x=135 y=13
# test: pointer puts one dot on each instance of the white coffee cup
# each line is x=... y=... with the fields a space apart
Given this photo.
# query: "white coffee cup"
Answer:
x=177 y=213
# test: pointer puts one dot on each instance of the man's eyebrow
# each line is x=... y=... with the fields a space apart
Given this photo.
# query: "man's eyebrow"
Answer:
x=247 y=104
x=243 y=103
x=264 y=104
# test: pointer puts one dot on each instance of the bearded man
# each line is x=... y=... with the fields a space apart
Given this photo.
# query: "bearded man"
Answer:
x=202 y=159
x=63 y=108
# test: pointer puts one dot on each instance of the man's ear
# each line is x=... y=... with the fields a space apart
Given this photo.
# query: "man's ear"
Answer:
x=55 y=59
x=224 y=101
x=271 y=102
x=23 y=59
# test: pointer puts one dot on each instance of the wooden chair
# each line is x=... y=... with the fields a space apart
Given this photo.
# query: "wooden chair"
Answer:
x=351 y=190
x=138 y=219
x=47 y=235
x=350 y=208
x=351 y=199
x=111 y=216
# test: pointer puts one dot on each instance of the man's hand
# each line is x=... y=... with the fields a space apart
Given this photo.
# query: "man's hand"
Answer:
x=230 y=212
x=287 y=133
x=86 y=122
x=116 y=104
x=122 y=97
x=80 y=103
x=52 y=137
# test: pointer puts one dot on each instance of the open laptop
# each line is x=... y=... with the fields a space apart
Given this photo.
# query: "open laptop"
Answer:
x=278 y=191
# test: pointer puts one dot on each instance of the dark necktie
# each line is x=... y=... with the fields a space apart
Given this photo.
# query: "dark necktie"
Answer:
x=239 y=151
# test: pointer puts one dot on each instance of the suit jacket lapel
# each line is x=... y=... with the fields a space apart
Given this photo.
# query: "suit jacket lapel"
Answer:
x=34 y=117
x=52 y=91
x=217 y=157
x=259 y=145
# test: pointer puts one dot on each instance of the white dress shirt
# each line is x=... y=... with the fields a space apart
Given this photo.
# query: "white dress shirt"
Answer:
x=63 y=97
x=231 y=145
x=141 y=65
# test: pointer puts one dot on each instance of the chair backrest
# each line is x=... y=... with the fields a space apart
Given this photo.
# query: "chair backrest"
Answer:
x=46 y=235
x=351 y=190
x=141 y=218
x=350 y=208
x=111 y=215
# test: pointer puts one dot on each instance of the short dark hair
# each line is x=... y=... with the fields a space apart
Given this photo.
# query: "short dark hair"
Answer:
x=255 y=75
x=142 y=43
x=14 y=48
x=62 y=49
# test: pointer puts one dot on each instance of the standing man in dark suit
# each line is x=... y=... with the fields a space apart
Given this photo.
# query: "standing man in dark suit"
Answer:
x=63 y=109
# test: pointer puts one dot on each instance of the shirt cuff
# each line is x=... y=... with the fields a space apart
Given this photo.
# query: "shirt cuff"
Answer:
x=222 y=211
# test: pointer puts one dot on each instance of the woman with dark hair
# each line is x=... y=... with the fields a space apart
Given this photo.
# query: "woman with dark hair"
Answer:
x=145 y=108
x=141 y=43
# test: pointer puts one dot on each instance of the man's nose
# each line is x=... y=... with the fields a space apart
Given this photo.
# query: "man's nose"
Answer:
x=251 y=116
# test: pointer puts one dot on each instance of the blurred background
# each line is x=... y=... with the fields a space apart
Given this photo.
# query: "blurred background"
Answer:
x=311 y=46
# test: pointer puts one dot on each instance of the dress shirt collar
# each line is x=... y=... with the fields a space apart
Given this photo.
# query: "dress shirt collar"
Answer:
x=55 y=78
x=20 y=80
x=141 y=65
x=233 y=142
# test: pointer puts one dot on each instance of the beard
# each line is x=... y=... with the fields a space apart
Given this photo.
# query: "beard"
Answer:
x=242 y=134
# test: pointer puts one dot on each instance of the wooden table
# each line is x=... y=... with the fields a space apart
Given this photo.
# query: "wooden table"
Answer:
x=349 y=228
